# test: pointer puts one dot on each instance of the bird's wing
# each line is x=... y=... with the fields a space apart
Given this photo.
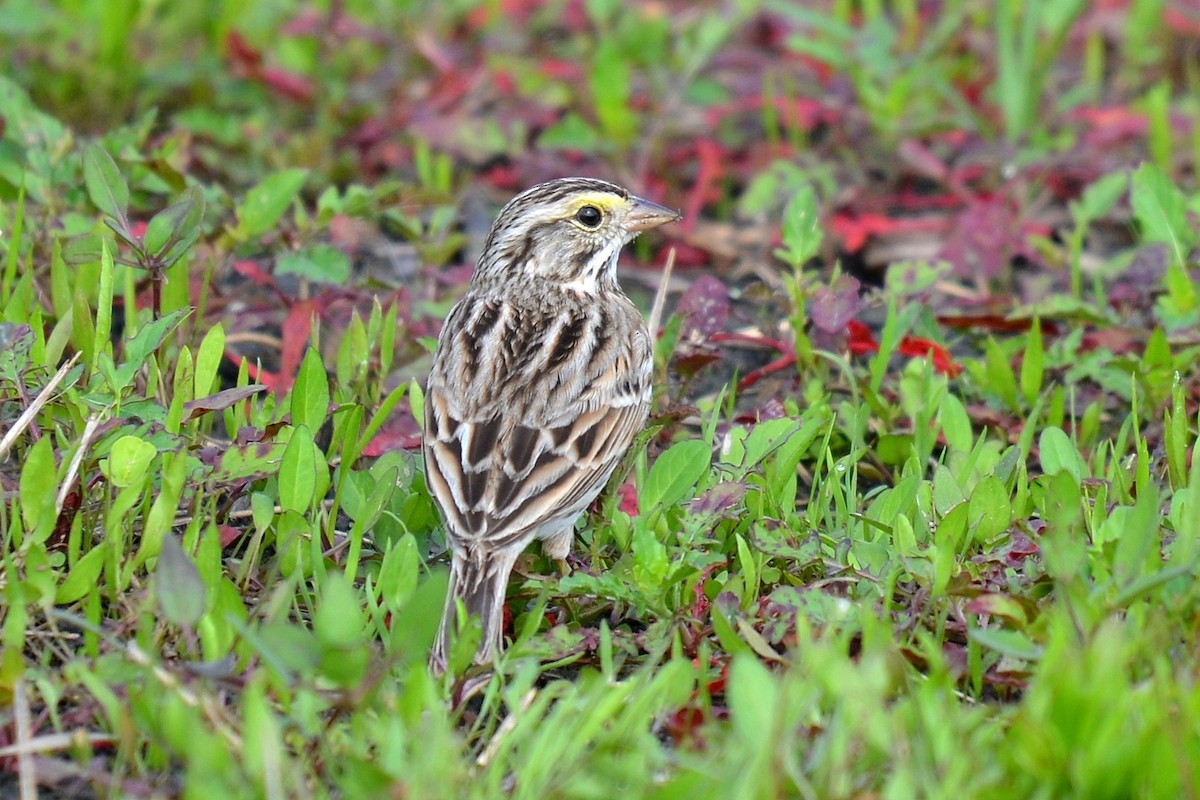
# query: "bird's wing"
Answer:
x=526 y=419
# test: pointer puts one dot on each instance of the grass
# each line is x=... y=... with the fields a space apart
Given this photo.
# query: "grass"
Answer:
x=918 y=510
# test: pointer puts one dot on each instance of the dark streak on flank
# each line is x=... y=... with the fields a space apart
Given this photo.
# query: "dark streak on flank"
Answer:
x=569 y=336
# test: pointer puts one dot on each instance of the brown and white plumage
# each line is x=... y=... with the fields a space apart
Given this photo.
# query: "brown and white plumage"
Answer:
x=541 y=379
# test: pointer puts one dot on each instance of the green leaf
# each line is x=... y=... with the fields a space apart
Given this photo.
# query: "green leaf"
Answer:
x=297 y=472
x=1102 y=194
x=177 y=585
x=674 y=474
x=172 y=231
x=82 y=249
x=1009 y=643
x=1137 y=534
x=990 y=512
x=338 y=625
x=82 y=578
x=128 y=461
x=956 y=423
x=151 y=336
x=399 y=573
x=1059 y=454
x=1161 y=209
x=1032 y=364
x=1000 y=376
x=39 y=484
x=801 y=231
x=650 y=559
x=353 y=354
x=322 y=263
x=208 y=360
x=753 y=702
x=610 y=85
x=266 y=202
x=310 y=392
x=104 y=304
x=571 y=132
x=104 y=183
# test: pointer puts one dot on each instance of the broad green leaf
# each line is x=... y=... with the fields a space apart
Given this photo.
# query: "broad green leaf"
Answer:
x=162 y=512
x=1137 y=535
x=176 y=228
x=571 y=132
x=650 y=559
x=990 y=512
x=82 y=578
x=151 y=336
x=297 y=472
x=310 y=392
x=322 y=263
x=266 y=202
x=128 y=461
x=399 y=574
x=1058 y=454
x=674 y=474
x=338 y=625
x=39 y=484
x=956 y=423
x=1161 y=209
x=1000 y=376
x=105 y=185
x=177 y=585
x=352 y=355
x=610 y=85
x=1102 y=194
x=801 y=231
x=753 y=702
x=1009 y=643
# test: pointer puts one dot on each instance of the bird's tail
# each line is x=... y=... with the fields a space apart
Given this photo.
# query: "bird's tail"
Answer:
x=479 y=580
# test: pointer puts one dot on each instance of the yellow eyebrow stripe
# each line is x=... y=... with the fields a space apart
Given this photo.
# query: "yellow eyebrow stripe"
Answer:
x=602 y=201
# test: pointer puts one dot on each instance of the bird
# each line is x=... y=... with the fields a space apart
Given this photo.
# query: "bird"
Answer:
x=541 y=379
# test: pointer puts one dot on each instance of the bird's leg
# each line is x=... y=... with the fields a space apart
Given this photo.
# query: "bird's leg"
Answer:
x=558 y=548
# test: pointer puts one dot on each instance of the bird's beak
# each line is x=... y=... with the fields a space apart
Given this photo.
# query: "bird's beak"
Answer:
x=644 y=215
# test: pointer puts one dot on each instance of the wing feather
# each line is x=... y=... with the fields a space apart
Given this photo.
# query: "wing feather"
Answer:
x=524 y=435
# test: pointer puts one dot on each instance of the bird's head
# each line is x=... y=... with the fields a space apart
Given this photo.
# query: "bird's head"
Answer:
x=568 y=231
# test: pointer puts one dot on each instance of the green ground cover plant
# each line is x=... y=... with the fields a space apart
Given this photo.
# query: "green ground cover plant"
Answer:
x=917 y=513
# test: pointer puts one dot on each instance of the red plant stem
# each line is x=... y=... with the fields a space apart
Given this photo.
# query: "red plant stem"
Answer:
x=754 y=376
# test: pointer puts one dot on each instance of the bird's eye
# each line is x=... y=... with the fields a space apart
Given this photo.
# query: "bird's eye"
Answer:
x=589 y=217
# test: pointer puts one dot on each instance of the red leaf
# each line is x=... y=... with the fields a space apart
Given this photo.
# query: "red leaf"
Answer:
x=993 y=322
x=860 y=338
x=295 y=331
x=834 y=307
x=253 y=272
x=983 y=239
x=561 y=69
x=1182 y=20
x=686 y=255
x=711 y=168
x=855 y=229
x=296 y=88
x=244 y=58
x=629 y=499
x=400 y=432
x=917 y=347
x=228 y=534
x=1111 y=124
x=704 y=307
